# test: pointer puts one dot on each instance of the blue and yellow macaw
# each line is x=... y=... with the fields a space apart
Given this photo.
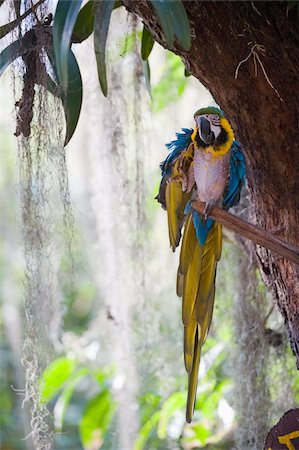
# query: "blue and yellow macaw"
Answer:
x=204 y=164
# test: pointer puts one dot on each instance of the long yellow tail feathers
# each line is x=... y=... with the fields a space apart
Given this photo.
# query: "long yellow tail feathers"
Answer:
x=196 y=284
x=192 y=381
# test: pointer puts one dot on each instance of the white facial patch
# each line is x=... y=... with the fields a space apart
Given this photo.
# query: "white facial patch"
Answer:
x=214 y=120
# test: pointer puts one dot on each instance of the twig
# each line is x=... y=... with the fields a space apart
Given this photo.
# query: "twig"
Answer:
x=251 y=232
x=254 y=52
x=11 y=25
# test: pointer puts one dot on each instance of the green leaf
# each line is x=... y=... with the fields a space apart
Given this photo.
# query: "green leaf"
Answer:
x=201 y=433
x=72 y=96
x=96 y=419
x=84 y=23
x=65 y=397
x=14 y=51
x=147 y=43
x=174 y=21
x=162 y=8
x=147 y=76
x=103 y=12
x=187 y=73
x=145 y=431
x=72 y=101
x=64 y=21
x=54 y=377
x=181 y=24
x=171 y=84
x=176 y=401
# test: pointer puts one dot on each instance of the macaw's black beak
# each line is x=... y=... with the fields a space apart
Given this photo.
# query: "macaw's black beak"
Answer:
x=205 y=131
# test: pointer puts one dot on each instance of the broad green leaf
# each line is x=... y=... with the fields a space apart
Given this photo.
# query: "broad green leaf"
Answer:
x=180 y=22
x=176 y=401
x=72 y=101
x=103 y=12
x=84 y=23
x=174 y=21
x=145 y=431
x=65 y=17
x=147 y=43
x=147 y=76
x=162 y=8
x=65 y=397
x=14 y=51
x=72 y=96
x=96 y=419
x=54 y=377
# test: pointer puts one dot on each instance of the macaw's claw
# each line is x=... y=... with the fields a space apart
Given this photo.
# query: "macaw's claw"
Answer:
x=208 y=208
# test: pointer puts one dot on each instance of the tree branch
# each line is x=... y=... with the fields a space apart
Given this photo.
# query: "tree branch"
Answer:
x=7 y=28
x=251 y=232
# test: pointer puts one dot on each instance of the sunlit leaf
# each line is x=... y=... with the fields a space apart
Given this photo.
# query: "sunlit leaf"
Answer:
x=147 y=43
x=171 y=84
x=96 y=419
x=103 y=12
x=65 y=397
x=201 y=433
x=146 y=430
x=128 y=44
x=64 y=21
x=54 y=377
x=176 y=401
x=14 y=51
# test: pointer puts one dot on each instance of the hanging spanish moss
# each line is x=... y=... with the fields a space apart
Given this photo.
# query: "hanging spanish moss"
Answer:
x=252 y=395
x=43 y=180
x=116 y=183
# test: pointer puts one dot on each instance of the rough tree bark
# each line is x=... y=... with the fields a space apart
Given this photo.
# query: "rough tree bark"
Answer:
x=263 y=109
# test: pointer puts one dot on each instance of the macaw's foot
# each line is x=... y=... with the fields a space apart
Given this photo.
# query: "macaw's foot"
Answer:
x=209 y=206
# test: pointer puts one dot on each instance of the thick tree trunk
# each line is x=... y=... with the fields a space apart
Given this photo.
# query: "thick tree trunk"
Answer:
x=261 y=104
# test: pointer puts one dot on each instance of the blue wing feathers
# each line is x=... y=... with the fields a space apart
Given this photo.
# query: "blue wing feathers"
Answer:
x=236 y=177
x=182 y=141
x=176 y=147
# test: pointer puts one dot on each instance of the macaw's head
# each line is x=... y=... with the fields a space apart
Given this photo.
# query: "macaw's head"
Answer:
x=212 y=130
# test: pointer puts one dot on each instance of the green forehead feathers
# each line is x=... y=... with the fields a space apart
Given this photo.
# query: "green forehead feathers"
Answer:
x=209 y=110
